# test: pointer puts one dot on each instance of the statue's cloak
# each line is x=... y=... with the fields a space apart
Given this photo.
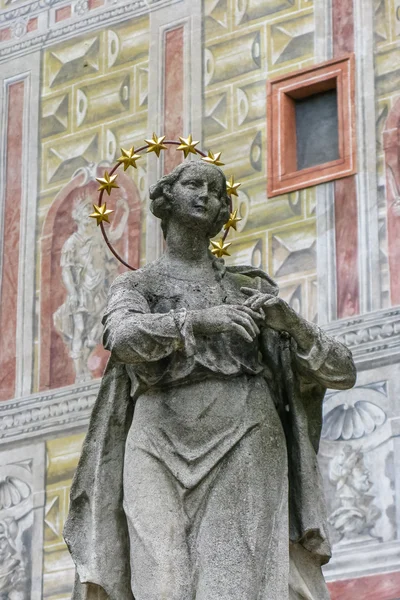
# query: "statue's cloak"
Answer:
x=96 y=529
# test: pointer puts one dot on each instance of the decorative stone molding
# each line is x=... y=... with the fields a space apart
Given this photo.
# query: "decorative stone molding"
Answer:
x=16 y=74
x=49 y=32
x=362 y=559
x=22 y=499
x=27 y=9
x=373 y=338
x=47 y=412
x=356 y=515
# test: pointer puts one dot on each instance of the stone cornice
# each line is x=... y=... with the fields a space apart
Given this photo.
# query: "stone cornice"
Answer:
x=373 y=338
x=49 y=32
x=362 y=559
x=81 y=21
x=47 y=412
x=27 y=9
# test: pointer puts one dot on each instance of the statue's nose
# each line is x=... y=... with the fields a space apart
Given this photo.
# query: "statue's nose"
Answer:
x=203 y=192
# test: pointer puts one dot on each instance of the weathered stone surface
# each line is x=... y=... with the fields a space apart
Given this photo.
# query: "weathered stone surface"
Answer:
x=211 y=489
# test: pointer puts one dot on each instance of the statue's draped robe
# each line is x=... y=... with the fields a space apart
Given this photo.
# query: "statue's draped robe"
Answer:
x=182 y=487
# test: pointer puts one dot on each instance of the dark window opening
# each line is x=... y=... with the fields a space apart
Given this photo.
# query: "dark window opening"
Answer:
x=317 y=131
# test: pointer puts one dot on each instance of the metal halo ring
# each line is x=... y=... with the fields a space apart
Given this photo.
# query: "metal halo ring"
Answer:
x=103 y=231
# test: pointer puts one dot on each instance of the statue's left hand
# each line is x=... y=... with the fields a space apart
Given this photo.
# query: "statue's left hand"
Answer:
x=278 y=314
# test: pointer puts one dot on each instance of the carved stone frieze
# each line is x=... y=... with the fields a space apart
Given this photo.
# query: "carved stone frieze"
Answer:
x=21 y=515
x=355 y=415
x=48 y=33
x=356 y=514
x=361 y=560
x=27 y=9
x=47 y=412
x=373 y=338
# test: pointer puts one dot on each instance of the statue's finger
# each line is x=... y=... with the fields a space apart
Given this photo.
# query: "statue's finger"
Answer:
x=242 y=332
x=260 y=302
x=272 y=302
x=249 y=301
x=249 y=291
x=249 y=311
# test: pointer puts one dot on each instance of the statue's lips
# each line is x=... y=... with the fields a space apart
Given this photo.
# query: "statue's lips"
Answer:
x=200 y=206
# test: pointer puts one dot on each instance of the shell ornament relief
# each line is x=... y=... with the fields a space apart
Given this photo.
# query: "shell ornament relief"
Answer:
x=352 y=422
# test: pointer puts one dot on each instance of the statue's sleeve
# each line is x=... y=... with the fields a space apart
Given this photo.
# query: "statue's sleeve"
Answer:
x=327 y=361
x=134 y=335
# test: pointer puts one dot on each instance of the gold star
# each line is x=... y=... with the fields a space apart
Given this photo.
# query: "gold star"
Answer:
x=156 y=144
x=233 y=221
x=220 y=248
x=101 y=213
x=232 y=187
x=129 y=158
x=187 y=146
x=213 y=159
x=107 y=182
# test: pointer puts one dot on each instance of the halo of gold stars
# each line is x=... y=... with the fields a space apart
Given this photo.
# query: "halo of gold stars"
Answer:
x=232 y=187
x=156 y=144
x=107 y=182
x=188 y=146
x=101 y=213
x=128 y=158
x=213 y=159
x=232 y=221
x=220 y=248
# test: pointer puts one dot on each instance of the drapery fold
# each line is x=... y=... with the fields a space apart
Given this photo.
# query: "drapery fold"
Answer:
x=160 y=349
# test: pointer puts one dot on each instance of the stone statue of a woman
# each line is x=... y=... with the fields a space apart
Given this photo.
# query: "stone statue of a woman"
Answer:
x=198 y=478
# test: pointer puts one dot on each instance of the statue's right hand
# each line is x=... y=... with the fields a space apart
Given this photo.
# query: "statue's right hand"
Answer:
x=226 y=318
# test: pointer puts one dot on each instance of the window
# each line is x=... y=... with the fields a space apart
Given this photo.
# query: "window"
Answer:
x=311 y=126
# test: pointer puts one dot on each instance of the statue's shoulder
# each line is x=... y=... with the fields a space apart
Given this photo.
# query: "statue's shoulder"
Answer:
x=138 y=279
x=253 y=277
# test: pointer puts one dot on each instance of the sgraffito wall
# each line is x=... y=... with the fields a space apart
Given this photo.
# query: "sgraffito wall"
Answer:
x=271 y=38
x=79 y=80
x=93 y=102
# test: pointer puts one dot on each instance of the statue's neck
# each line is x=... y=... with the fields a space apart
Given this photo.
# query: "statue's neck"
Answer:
x=187 y=245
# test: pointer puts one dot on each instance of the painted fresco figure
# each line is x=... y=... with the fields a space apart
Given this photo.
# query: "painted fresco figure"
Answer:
x=356 y=514
x=87 y=271
x=13 y=580
x=198 y=477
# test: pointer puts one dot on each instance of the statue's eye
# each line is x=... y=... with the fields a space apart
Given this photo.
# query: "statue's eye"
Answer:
x=190 y=184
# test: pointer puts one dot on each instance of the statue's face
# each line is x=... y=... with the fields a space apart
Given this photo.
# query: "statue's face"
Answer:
x=197 y=196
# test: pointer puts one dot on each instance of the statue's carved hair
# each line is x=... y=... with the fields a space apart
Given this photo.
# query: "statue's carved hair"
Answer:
x=162 y=199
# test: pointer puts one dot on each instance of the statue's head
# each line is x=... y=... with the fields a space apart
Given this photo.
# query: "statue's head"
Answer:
x=194 y=194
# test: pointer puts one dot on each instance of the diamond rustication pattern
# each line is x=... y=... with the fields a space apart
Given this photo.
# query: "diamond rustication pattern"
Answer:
x=270 y=37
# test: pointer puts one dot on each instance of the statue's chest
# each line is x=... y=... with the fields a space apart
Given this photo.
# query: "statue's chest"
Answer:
x=176 y=294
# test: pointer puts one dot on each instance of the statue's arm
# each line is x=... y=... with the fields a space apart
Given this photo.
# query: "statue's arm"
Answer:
x=134 y=335
x=318 y=356
x=321 y=357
